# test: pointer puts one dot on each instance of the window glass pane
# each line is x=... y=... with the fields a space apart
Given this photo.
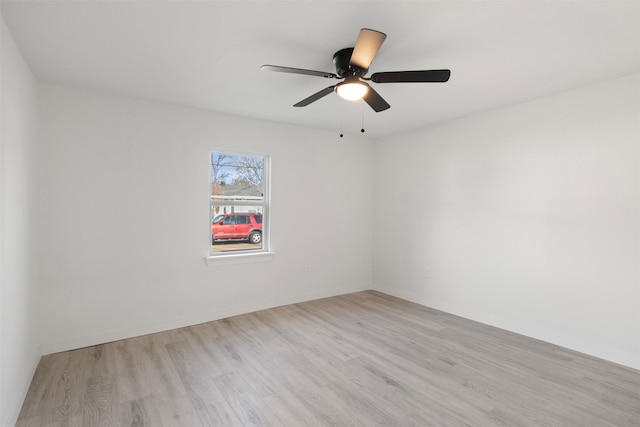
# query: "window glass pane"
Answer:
x=236 y=228
x=237 y=177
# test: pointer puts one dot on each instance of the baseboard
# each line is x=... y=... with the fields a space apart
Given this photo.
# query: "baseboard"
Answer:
x=119 y=334
x=542 y=335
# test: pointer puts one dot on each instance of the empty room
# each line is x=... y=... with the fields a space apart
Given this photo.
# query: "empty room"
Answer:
x=319 y=213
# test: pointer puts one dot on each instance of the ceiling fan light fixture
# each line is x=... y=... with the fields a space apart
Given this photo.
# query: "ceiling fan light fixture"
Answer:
x=352 y=91
x=352 y=65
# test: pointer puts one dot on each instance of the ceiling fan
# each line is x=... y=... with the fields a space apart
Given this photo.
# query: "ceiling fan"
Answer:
x=352 y=64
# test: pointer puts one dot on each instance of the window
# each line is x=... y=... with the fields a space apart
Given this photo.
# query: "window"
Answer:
x=238 y=202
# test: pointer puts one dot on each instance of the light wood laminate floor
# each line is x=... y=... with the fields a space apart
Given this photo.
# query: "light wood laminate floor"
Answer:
x=362 y=359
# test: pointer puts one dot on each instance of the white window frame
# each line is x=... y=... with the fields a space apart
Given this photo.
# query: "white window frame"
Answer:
x=249 y=255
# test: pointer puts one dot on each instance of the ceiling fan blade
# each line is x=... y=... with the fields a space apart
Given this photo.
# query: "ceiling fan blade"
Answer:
x=324 y=92
x=422 y=76
x=298 y=71
x=375 y=101
x=366 y=48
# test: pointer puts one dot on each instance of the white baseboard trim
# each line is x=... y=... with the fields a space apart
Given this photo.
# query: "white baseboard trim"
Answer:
x=115 y=335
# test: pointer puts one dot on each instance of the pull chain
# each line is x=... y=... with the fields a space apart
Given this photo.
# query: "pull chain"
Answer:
x=341 y=118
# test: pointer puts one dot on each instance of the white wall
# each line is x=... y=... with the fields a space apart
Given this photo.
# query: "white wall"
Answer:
x=19 y=340
x=527 y=218
x=125 y=227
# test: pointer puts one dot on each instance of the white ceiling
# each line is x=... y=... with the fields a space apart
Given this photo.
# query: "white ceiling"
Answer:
x=207 y=54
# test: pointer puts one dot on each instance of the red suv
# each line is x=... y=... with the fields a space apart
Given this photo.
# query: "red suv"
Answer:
x=238 y=226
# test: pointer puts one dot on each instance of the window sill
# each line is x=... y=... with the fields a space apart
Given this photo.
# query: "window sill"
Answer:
x=233 y=259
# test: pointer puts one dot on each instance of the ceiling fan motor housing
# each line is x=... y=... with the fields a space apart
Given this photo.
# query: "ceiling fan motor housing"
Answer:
x=341 y=59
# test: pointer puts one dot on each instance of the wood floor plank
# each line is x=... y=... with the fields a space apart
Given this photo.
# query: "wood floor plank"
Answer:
x=361 y=359
x=218 y=414
x=75 y=421
x=248 y=408
x=140 y=412
x=290 y=411
x=178 y=412
x=158 y=369
x=210 y=347
x=193 y=374
x=129 y=379
x=101 y=403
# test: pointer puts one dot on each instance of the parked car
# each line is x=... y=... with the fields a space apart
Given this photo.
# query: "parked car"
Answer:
x=237 y=226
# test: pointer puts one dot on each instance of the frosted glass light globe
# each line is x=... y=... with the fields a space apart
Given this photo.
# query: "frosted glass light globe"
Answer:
x=352 y=91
